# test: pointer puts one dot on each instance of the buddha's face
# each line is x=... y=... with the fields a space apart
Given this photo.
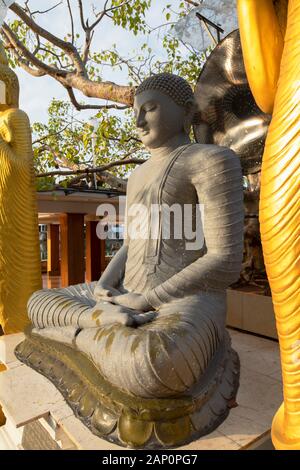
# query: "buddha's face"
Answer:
x=158 y=118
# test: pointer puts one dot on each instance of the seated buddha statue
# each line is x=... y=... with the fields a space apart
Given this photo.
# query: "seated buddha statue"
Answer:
x=142 y=356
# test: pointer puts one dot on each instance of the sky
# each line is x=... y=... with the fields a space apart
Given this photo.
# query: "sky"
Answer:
x=36 y=93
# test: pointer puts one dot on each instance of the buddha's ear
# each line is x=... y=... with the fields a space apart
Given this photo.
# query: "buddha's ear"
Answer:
x=190 y=108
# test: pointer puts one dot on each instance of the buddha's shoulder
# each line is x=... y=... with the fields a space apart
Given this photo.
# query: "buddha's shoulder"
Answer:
x=15 y=116
x=206 y=155
x=208 y=151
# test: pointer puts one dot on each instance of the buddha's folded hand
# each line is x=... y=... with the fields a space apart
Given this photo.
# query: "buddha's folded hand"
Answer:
x=105 y=313
x=104 y=292
x=132 y=300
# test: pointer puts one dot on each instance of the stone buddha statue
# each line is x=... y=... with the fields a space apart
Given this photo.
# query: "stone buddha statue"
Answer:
x=142 y=356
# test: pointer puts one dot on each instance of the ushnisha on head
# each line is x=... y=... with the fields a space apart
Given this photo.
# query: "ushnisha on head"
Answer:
x=164 y=106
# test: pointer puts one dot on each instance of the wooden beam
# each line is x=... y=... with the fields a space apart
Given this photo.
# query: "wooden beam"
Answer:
x=93 y=255
x=72 y=249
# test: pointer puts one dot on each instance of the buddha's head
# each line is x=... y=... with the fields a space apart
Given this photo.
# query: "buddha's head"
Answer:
x=9 y=83
x=164 y=106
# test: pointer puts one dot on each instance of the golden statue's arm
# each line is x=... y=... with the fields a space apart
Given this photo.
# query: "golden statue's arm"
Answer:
x=262 y=45
x=280 y=186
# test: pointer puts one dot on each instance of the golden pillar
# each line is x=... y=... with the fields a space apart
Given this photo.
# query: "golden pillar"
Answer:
x=20 y=268
x=270 y=36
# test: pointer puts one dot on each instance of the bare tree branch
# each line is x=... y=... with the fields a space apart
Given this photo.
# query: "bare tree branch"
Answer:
x=112 y=180
x=79 y=106
x=83 y=24
x=88 y=41
x=99 y=169
x=44 y=49
x=89 y=28
x=117 y=139
x=25 y=64
x=194 y=4
x=100 y=16
x=67 y=47
x=23 y=51
x=104 y=90
x=50 y=135
x=45 y=11
x=72 y=21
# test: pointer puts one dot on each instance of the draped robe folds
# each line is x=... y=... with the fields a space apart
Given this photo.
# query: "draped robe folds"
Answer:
x=20 y=264
x=186 y=287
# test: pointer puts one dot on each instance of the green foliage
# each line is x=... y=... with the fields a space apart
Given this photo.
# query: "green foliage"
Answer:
x=65 y=141
x=131 y=15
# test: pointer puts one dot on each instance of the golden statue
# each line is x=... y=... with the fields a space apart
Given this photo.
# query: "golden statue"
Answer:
x=20 y=271
x=270 y=36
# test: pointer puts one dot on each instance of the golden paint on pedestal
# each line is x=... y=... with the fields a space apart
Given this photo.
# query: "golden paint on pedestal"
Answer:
x=280 y=181
x=20 y=270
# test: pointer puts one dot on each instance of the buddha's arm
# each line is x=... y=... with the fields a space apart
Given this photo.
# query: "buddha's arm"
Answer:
x=219 y=188
x=15 y=134
x=113 y=274
x=5 y=129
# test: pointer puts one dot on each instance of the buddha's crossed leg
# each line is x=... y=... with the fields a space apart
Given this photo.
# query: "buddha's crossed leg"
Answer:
x=60 y=314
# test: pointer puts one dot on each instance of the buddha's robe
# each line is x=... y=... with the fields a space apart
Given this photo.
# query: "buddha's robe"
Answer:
x=20 y=263
x=170 y=354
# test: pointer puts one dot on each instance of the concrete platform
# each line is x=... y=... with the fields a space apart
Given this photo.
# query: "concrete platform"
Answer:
x=39 y=418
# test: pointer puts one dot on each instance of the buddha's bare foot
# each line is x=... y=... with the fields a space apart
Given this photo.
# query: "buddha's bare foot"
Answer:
x=62 y=334
x=142 y=318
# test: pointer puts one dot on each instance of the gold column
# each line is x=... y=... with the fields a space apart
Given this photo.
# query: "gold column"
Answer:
x=280 y=201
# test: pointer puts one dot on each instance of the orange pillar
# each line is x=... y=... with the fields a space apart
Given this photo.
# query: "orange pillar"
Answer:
x=72 y=249
x=53 y=267
x=93 y=255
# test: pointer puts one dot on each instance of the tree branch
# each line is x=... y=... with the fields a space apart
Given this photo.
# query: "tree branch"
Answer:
x=67 y=47
x=24 y=52
x=24 y=64
x=87 y=45
x=194 y=4
x=72 y=21
x=69 y=79
x=46 y=11
x=103 y=90
x=79 y=106
x=99 y=169
x=50 y=135
x=112 y=180
x=83 y=24
x=44 y=49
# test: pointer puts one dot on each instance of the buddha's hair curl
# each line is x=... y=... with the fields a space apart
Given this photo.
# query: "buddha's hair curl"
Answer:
x=177 y=88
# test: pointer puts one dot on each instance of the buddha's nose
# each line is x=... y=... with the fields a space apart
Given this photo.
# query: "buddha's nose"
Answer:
x=140 y=120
